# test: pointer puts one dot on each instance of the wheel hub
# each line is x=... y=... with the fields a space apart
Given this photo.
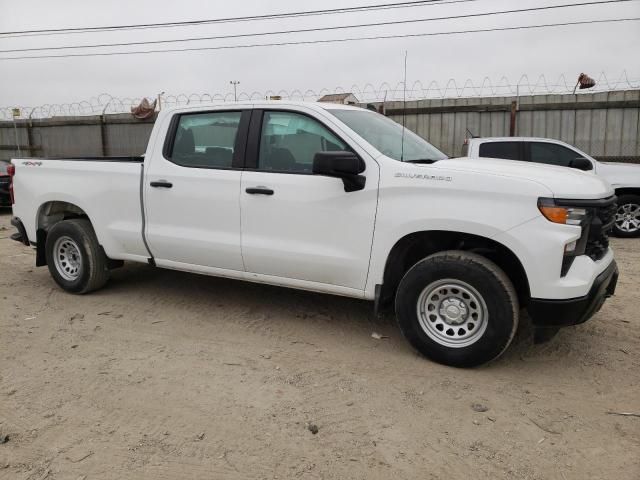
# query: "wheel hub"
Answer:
x=453 y=311
x=628 y=217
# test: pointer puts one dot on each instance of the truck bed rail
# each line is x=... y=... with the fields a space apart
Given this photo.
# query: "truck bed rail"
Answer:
x=130 y=159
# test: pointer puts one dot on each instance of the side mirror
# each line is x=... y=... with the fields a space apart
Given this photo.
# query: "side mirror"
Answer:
x=581 y=164
x=345 y=165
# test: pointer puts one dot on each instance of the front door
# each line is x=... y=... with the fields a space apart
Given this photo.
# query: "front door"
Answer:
x=297 y=225
x=192 y=187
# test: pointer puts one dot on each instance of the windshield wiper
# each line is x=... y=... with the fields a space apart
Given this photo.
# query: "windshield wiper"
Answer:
x=422 y=160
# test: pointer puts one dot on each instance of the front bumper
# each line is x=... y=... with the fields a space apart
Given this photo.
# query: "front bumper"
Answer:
x=561 y=313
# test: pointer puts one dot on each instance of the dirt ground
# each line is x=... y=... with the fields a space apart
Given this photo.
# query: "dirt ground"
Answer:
x=168 y=375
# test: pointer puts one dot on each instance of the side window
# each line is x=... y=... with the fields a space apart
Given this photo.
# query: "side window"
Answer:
x=552 y=154
x=205 y=140
x=289 y=141
x=506 y=150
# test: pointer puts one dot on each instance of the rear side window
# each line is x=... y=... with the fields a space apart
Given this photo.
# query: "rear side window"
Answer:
x=290 y=141
x=505 y=150
x=552 y=154
x=3 y=167
x=206 y=140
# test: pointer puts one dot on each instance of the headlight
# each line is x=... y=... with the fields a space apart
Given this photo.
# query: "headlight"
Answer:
x=565 y=214
x=561 y=214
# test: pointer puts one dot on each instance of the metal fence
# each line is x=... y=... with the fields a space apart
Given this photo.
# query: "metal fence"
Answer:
x=386 y=91
x=606 y=125
x=100 y=135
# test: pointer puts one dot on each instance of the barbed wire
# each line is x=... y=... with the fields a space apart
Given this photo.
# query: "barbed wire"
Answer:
x=108 y=104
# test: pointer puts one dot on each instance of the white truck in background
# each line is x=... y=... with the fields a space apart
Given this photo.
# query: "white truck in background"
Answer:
x=334 y=199
x=625 y=178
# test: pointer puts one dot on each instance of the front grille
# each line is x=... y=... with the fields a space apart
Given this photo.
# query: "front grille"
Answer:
x=602 y=221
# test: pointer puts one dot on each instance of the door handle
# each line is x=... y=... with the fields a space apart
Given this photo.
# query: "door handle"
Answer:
x=161 y=184
x=259 y=191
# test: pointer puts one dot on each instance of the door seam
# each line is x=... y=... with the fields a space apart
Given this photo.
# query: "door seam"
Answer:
x=143 y=216
x=244 y=267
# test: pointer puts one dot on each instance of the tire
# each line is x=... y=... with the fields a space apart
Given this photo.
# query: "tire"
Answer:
x=74 y=257
x=627 y=217
x=474 y=304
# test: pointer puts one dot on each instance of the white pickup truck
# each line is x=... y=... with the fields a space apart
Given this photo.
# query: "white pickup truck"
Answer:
x=333 y=199
x=625 y=178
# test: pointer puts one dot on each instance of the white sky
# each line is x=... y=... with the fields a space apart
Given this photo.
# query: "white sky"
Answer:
x=609 y=48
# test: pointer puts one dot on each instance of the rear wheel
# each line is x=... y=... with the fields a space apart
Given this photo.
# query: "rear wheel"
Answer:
x=74 y=257
x=627 y=216
x=457 y=308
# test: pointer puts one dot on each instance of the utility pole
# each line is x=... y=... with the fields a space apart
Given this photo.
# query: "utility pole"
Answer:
x=159 y=101
x=235 y=84
x=15 y=113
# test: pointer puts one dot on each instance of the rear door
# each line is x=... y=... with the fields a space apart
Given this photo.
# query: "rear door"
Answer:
x=297 y=225
x=508 y=150
x=192 y=188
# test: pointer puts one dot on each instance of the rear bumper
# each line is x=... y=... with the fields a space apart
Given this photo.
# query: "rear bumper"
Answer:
x=23 y=238
x=561 y=313
x=5 y=198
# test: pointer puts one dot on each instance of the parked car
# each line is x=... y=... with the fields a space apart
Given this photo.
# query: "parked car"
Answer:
x=625 y=178
x=5 y=198
x=333 y=199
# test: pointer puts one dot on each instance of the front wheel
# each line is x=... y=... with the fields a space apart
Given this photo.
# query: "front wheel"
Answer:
x=457 y=308
x=74 y=257
x=627 y=223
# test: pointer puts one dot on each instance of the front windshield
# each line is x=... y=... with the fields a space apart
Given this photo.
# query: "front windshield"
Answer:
x=386 y=136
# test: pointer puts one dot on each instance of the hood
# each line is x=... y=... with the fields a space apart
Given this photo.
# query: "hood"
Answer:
x=561 y=181
x=620 y=174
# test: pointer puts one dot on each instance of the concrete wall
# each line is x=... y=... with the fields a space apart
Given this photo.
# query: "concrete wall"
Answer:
x=605 y=125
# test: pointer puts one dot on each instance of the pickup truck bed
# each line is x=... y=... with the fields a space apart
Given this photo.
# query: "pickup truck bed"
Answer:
x=110 y=187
